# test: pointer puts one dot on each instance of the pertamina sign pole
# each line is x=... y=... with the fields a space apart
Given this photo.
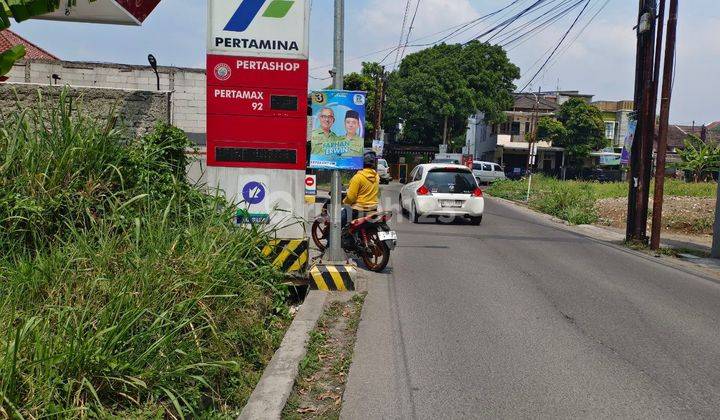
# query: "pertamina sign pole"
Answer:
x=257 y=84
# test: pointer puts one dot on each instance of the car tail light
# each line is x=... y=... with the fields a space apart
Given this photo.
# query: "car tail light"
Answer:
x=423 y=190
x=477 y=192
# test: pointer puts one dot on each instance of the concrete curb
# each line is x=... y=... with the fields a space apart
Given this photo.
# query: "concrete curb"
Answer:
x=271 y=393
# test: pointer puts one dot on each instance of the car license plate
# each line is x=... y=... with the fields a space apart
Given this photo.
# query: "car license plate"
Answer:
x=387 y=236
x=451 y=203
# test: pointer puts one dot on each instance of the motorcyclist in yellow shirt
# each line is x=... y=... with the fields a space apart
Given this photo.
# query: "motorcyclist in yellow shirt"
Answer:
x=364 y=190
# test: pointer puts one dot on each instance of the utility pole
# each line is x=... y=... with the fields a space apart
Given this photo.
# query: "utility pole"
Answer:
x=641 y=151
x=532 y=145
x=379 y=94
x=445 y=131
x=335 y=251
x=664 y=121
x=383 y=89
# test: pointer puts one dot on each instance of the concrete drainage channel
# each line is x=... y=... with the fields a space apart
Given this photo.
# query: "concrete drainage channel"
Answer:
x=271 y=393
x=326 y=284
x=281 y=378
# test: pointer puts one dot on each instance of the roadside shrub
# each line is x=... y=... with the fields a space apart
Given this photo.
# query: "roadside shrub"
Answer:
x=574 y=204
x=509 y=190
x=124 y=290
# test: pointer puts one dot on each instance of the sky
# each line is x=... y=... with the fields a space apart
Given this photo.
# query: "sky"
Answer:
x=600 y=61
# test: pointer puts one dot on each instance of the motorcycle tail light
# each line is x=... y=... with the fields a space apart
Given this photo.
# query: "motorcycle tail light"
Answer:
x=477 y=193
x=423 y=190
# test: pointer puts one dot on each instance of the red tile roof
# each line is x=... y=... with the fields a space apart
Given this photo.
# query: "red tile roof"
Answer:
x=9 y=39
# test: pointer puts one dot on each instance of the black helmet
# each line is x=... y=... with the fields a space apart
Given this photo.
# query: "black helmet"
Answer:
x=369 y=160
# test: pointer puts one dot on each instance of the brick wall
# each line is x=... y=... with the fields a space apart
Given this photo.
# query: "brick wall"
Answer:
x=187 y=86
x=139 y=111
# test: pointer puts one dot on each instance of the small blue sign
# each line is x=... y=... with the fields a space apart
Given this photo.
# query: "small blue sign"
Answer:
x=253 y=193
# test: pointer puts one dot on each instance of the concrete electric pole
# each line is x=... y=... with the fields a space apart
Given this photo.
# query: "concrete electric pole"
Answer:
x=335 y=252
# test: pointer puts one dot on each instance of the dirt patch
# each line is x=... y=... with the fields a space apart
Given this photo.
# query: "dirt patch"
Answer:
x=320 y=385
x=685 y=215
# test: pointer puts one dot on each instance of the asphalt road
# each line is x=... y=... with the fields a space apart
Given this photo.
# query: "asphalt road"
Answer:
x=517 y=318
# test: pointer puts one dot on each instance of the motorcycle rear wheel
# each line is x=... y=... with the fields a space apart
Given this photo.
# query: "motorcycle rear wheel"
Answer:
x=320 y=231
x=379 y=256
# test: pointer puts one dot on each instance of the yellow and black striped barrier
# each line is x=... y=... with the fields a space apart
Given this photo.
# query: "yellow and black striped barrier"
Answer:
x=332 y=277
x=288 y=255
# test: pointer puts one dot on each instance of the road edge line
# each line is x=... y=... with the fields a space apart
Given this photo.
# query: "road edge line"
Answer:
x=269 y=397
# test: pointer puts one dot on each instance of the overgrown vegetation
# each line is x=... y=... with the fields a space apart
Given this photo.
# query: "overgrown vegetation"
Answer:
x=124 y=290
x=574 y=201
x=700 y=158
x=322 y=375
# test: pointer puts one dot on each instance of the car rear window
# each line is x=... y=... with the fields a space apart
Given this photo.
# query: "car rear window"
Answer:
x=450 y=180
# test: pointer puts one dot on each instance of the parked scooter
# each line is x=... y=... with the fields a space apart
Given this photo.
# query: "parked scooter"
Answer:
x=368 y=238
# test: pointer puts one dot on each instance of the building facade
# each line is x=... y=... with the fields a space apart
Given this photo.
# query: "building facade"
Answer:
x=616 y=117
x=508 y=143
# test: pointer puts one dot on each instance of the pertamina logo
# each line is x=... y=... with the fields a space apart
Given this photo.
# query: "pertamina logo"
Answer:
x=222 y=72
x=249 y=9
x=243 y=19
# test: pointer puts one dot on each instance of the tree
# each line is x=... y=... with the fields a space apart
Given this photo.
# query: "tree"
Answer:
x=579 y=128
x=699 y=157
x=367 y=80
x=449 y=81
x=20 y=10
x=549 y=129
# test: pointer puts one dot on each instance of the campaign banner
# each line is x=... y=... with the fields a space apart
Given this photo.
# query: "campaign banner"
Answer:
x=627 y=144
x=378 y=146
x=338 y=129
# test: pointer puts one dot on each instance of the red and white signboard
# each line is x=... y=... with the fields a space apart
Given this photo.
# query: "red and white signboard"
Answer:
x=267 y=72
x=257 y=83
x=310 y=185
x=257 y=112
x=118 y=12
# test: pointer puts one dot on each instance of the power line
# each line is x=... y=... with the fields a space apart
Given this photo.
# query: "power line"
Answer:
x=557 y=46
x=402 y=32
x=508 y=21
x=410 y=28
x=455 y=28
x=517 y=36
x=571 y=43
x=468 y=26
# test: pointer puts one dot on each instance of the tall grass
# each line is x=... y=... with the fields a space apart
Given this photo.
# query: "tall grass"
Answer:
x=574 y=201
x=124 y=291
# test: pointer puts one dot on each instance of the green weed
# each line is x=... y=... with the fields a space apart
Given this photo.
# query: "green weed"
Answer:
x=124 y=290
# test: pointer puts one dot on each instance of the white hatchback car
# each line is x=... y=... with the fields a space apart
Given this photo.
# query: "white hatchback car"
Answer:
x=442 y=190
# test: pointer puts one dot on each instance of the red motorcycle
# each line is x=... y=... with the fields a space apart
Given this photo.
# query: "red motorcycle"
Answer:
x=368 y=238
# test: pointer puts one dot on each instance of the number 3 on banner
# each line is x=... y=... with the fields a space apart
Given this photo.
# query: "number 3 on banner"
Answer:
x=319 y=98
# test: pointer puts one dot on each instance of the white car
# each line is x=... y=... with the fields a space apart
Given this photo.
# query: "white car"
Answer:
x=487 y=172
x=435 y=190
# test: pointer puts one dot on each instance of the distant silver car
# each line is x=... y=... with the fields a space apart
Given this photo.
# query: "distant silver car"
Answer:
x=383 y=169
x=487 y=172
